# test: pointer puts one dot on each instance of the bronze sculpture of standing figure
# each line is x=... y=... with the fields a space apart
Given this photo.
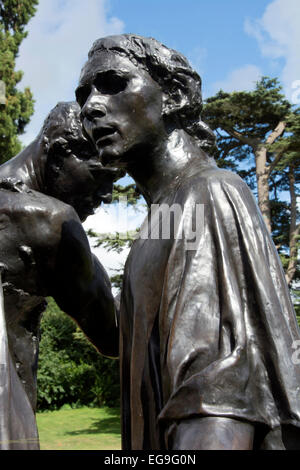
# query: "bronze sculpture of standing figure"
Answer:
x=206 y=328
x=45 y=193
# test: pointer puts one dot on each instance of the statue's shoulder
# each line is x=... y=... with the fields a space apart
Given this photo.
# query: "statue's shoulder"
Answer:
x=16 y=196
x=220 y=175
x=212 y=180
x=32 y=212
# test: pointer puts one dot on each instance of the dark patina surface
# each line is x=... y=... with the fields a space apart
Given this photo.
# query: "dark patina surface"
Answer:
x=207 y=332
x=45 y=193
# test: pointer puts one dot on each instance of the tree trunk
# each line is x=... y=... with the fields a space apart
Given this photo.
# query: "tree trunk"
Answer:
x=294 y=230
x=263 y=184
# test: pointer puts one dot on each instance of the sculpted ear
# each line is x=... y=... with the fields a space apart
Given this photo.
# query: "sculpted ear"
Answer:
x=183 y=94
x=173 y=102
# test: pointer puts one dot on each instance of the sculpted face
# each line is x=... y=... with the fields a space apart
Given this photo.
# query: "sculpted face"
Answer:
x=74 y=173
x=82 y=184
x=121 y=108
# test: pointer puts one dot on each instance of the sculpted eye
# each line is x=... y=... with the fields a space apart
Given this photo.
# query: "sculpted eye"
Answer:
x=110 y=83
x=82 y=93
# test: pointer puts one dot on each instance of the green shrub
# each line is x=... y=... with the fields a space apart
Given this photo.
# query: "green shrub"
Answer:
x=71 y=371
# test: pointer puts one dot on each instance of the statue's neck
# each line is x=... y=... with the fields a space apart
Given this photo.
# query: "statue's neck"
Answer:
x=28 y=166
x=156 y=174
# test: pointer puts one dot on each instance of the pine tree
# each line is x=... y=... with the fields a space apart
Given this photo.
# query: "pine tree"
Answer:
x=249 y=122
x=16 y=107
x=258 y=135
x=287 y=170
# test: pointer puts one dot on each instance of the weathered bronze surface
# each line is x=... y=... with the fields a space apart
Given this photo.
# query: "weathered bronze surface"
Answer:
x=44 y=252
x=206 y=330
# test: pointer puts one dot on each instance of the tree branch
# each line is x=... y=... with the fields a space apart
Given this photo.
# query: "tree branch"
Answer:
x=242 y=138
x=276 y=160
x=278 y=131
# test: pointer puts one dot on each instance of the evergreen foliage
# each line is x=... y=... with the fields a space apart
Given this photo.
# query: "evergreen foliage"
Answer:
x=17 y=107
x=71 y=371
x=130 y=192
x=258 y=136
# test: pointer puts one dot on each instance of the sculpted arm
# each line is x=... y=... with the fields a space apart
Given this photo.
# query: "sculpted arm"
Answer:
x=82 y=289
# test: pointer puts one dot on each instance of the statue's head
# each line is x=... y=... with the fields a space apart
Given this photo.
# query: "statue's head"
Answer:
x=73 y=172
x=142 y=73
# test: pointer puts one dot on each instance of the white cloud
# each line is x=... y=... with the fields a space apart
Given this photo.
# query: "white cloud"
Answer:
x=111 y=261
x=110 y=219
x=60 y=36
x=278 y=35
x=116 y=218
x=243 y=78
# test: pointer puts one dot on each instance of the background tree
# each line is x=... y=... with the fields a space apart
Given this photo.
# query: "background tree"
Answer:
x=16 y=110
x=258 y=136
x=287 y=171
x=71 y=371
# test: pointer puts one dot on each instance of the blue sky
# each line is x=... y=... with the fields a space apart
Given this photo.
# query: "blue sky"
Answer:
x=230 y=43
x=211 y=34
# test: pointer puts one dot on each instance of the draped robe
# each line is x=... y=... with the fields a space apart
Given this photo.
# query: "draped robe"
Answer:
x=206 y=329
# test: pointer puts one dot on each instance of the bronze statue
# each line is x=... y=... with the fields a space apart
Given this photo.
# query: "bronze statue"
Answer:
x=45 y=193
x=207 y=327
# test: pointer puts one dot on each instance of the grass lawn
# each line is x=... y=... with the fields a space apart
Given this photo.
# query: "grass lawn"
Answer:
x=80 y=429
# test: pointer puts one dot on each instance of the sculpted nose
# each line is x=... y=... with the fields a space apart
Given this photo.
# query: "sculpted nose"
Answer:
x=94 y=106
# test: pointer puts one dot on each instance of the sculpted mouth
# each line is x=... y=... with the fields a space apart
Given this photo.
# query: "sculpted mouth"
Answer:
x=102 y=134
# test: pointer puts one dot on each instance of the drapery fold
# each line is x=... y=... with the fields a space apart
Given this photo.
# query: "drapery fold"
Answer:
x=227 y=327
